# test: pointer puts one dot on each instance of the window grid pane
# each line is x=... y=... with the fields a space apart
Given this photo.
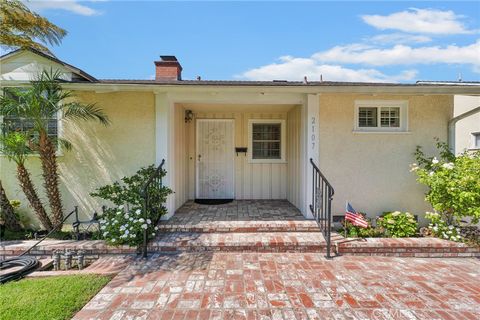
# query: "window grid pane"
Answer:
x=367 y=117
x=266 y=141
x=390 y=117
x=476 y=140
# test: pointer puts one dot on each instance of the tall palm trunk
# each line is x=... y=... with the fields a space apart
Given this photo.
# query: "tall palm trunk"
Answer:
x=48 y=158
x=7 y=212
x=27 y=186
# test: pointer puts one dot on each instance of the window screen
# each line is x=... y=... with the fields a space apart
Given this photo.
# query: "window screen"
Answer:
x=266 y=140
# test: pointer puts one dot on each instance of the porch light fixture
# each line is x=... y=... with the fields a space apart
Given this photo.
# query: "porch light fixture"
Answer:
x=188 y=116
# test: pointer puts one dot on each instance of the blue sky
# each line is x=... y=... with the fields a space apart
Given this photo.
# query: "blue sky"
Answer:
x=348 y=41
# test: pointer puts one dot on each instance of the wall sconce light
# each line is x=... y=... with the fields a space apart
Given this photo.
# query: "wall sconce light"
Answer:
x=188 y=116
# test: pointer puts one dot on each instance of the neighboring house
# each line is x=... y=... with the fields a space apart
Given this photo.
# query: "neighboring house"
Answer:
x=465 y=126
x=361 y=135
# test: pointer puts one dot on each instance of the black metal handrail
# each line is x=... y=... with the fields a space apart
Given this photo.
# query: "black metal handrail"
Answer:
x=155 y=181
x=321 y=205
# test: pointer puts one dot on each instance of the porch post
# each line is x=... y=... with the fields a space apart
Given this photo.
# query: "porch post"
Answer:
x=164 y=143
x=310 y=127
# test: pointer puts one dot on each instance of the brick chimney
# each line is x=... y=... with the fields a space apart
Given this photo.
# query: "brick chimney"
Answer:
x=168 y=69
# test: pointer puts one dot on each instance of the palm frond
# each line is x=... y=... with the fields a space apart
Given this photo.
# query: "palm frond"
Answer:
x=79 y=111
x=65 y=144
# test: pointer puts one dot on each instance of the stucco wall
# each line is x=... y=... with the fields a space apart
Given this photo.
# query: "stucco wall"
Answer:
x=465 y=127
x=101 y=154
x=371 y=170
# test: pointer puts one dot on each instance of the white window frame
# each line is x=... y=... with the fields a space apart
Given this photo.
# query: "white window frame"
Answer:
x=474 y=136
x=402 y=104
x=59 y=151
x=283 y=137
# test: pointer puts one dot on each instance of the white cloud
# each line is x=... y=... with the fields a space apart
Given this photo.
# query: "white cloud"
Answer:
x=290 y=68
x=401 y=55
x=68 y=5
x=398 y=38
x=426 y=21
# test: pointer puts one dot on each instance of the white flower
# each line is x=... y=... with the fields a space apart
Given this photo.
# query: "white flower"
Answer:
x=132 y=235
x=102 y=220
x=149 y=221
x=451 y=227
x=431 y=173
x=113 y=240
x=103 y=227
x=126 y=216
x=122 y=228
x=138 y=211
x=144 y=226
x=153 y=233
x=119 y=212
x=127 y=232
x=121 y=207
x=105 y=233
x=115 y=221
x=141 y=220
x=435 y=160
x=435 y=228
x=448 y=166
x=156 y=228
x=130 y=219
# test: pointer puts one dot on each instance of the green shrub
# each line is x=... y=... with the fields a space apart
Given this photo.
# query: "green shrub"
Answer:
x=440 y=228
x=353 y=231
x=453 y=182
x=125 y=222
x=398 y=224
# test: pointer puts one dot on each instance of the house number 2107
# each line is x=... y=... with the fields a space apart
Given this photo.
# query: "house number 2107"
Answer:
x=313 y=136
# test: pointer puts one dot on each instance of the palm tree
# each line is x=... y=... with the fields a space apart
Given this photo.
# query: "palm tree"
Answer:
x=15 y=147
x=24 y=28
x=44 y=100
x=7 y=213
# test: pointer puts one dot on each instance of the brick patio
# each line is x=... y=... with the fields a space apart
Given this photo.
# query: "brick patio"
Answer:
x=289 y=286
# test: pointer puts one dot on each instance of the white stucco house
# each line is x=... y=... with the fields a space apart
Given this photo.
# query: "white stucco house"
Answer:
x=245 y=139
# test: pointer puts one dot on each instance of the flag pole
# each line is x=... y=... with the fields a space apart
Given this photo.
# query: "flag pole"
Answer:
x=345 y=220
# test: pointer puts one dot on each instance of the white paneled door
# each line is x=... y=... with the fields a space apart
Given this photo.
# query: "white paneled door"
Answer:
x=215 y=159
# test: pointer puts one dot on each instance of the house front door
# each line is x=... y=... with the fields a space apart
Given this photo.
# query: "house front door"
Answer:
x=215 y=159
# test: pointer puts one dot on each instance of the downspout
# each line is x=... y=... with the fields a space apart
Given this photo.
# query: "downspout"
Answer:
x=451 y=126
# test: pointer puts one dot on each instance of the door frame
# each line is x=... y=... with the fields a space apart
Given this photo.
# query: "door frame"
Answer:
x=197 y=135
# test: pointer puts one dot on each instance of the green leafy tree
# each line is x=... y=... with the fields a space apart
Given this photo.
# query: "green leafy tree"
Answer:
x=15 y=147
x=453 y=181
x=44 y=100
x=22 y=28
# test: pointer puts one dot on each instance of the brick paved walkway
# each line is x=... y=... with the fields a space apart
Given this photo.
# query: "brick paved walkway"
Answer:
x=290 y=286
x=237 y=210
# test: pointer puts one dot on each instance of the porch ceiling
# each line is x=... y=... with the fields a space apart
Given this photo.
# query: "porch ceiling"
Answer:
x=252 y=108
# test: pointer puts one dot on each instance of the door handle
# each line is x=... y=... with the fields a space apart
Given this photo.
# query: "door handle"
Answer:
x=199 y=157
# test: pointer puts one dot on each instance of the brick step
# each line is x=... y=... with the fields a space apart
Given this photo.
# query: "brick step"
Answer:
x=241 y=226
x=239 y=242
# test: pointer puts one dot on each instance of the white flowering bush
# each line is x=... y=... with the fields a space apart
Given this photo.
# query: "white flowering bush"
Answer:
x=453 y=182
x=125 y=222
x=440 y=228
x=122 y=226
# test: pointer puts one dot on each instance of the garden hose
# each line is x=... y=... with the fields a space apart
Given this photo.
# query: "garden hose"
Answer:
x=26 y=264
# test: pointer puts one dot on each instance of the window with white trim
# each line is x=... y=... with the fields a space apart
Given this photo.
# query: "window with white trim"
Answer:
x=476 y=140
x=12 y=123
x=267 y=141
x=380 y=116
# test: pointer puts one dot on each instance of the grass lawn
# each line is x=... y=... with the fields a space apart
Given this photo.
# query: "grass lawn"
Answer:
x=49 y=298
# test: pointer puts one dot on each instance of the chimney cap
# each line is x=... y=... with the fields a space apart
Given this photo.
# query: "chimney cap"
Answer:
x=168 y=58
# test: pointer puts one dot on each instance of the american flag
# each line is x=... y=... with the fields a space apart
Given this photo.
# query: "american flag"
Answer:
x=354 y=217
